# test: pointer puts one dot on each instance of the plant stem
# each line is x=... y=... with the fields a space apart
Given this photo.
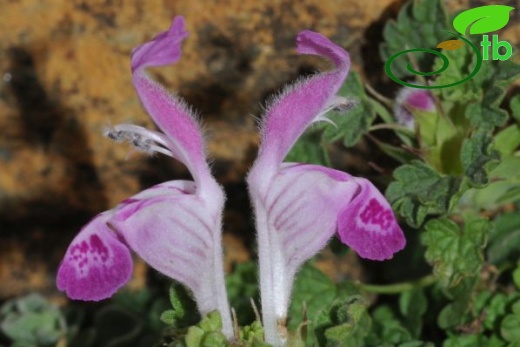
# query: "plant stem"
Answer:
x=397 y=288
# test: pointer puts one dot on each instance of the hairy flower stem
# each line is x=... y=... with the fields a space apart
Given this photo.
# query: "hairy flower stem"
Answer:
x=220 y=287
x=274 y=288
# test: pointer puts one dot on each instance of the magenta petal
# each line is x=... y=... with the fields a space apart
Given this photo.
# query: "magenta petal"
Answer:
x=163 y=49
x=368 y=225
x=310 y=42
x=170 y=113
x=300 y=104
x=96 y=264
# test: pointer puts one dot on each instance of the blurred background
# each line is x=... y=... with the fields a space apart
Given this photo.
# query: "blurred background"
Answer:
x=65 y=76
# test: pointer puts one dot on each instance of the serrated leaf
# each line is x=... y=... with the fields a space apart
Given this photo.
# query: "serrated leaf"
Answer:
x=183 y=312
x=312 y=289
x=455 y=253
x=387 y=330
x=483 y=19
x=208 y=333
x=344 y=322
x=352 y=125
x=487 y=114
x=418 y=25
x=418 y=191
x=478 y=158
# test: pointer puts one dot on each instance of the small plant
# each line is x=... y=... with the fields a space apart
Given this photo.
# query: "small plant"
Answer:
x=454 y=181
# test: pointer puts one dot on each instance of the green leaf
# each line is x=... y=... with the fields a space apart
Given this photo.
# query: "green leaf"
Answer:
x=454 y=253
x=516 y=276
x=486 y=113
x=454 y=314
x=416 y=344
x=387 y=330
x=208 y=333
x=471 y=340
x=31 y=321
x=483 y=19
x=312 y=289
x=309 y=149
x=504 y=240
x=462 y=63
x=418 y=191
x=252 y=335
x=418 y=25
x=345 y=322
x=183 y=312
x=508 y=140
x=515 y=107
x=352 y=125
x=479 y=158
x=413 y=305
x=509 y=328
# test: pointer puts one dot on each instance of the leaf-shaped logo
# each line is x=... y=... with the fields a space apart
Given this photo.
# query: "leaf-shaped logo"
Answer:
x=450 y=45
x=483 y=19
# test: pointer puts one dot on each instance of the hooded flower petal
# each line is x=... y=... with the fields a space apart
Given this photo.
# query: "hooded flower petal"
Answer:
x=299 y=207
x=163 y=49
x=299 y=105
x=170 y=113
x=174 y=226
x=96 y=264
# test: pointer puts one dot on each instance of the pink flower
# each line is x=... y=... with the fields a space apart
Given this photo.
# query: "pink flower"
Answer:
x=175 y=226
x=299 y=207
x=412 y=99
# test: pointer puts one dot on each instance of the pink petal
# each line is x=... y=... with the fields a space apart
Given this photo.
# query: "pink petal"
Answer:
x=170 y=113
x=96 y=264
x=300 y=104
x=368 y=225
x=302 y=206
x=180 y=236
x=163 y=49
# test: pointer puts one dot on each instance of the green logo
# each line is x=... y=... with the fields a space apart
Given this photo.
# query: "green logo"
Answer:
x=477 y=21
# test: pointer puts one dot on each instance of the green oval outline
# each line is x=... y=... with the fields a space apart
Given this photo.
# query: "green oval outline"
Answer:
x=445 y=64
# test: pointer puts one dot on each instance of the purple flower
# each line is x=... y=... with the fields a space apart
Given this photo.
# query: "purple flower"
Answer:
x=299 y=207
x=412 y=99
x=175 y=226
